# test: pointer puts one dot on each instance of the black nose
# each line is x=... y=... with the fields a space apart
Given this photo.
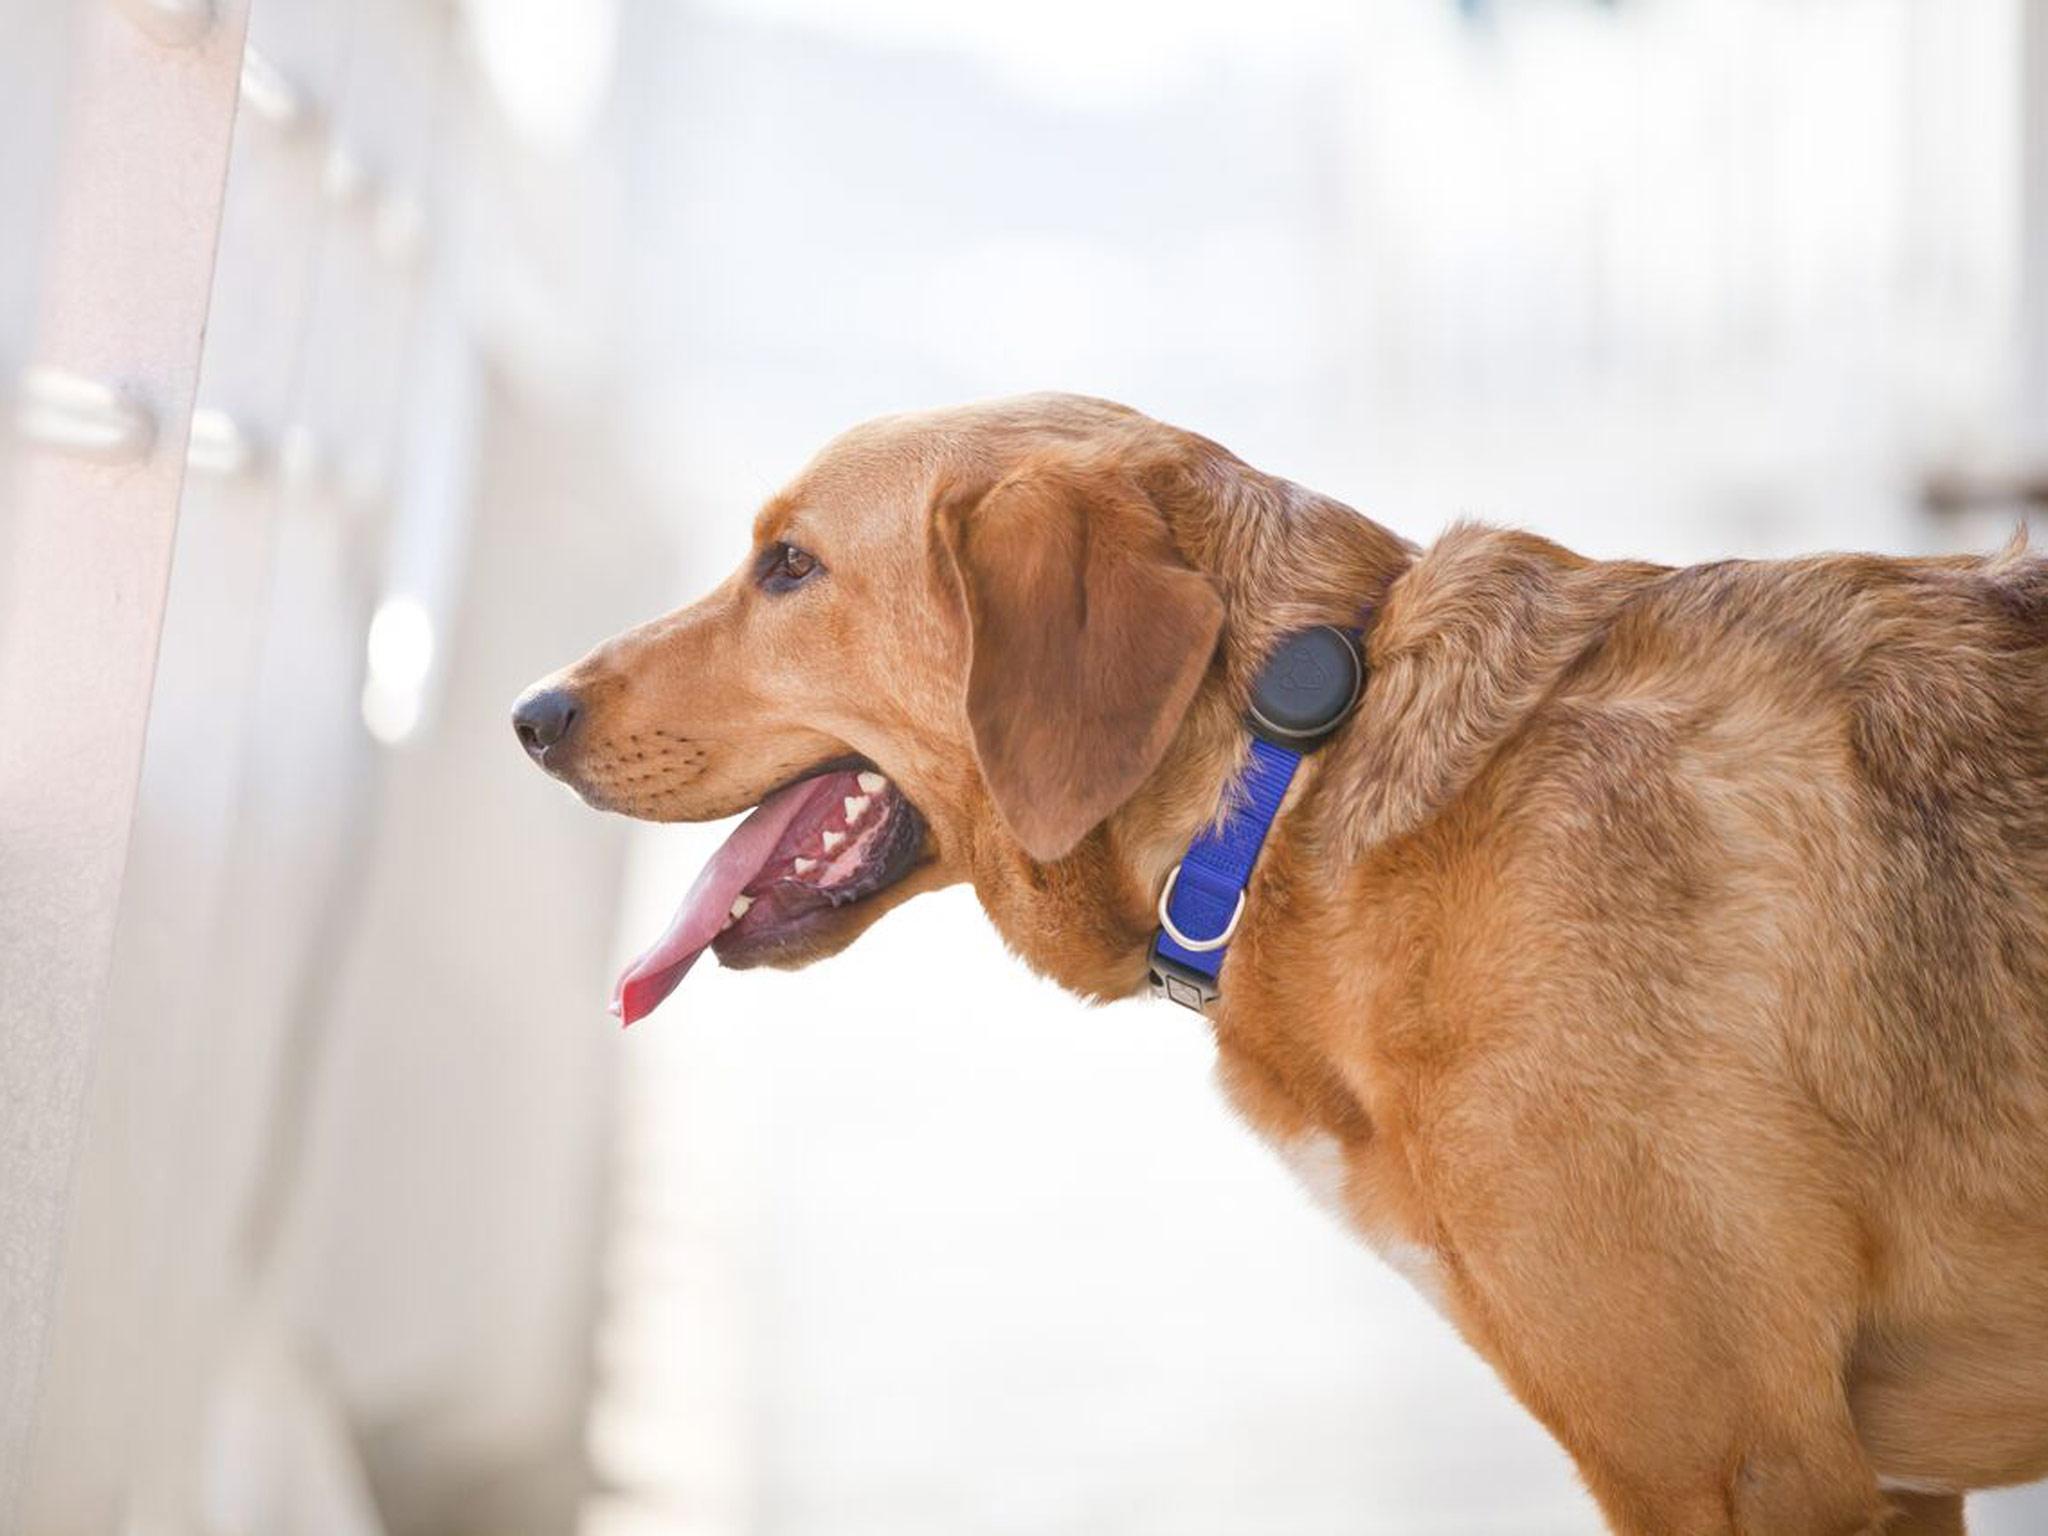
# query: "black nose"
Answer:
x=543 y=719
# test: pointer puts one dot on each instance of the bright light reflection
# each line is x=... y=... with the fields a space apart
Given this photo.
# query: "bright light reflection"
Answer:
x=401 y=644
x=400 y=651
x=550 y=62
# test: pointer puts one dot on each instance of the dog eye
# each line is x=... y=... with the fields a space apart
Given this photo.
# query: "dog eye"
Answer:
x=784 y=566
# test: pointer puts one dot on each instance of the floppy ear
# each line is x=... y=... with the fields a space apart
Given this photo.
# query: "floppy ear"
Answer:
x=1088 y=635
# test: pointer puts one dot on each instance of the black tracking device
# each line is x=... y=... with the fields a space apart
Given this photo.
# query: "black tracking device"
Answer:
x=1307 y=687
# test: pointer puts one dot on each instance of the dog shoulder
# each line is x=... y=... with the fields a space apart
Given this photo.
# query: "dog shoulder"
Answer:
x=1471 y=640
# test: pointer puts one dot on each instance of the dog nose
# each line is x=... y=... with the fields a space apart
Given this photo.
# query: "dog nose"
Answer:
x=543 y=719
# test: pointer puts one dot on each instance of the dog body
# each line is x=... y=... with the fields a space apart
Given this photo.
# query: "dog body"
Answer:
x=1654 y=968
x=1694 y=1025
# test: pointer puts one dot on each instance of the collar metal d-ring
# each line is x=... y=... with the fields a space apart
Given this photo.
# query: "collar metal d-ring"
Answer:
x=1195 y=946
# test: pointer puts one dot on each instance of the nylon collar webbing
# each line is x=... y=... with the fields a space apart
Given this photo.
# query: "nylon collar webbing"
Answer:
x=1305 y=691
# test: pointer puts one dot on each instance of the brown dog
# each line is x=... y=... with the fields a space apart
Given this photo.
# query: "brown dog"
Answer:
x=1655 y=967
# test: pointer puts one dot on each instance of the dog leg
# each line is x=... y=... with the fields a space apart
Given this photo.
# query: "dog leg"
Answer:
x=1682 y=1422
x=1926 y=1514
x=1817 y=1488
x=1698 y=1383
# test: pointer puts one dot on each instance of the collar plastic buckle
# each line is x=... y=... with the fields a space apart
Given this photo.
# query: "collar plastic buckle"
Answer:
x=1182 y=984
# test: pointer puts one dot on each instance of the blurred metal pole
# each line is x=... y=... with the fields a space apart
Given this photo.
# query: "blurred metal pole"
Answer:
x=2025 y=1510
x=122 y=316
x=2033 y=97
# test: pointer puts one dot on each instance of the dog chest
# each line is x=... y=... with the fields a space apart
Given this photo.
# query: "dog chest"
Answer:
x=1320 y=1166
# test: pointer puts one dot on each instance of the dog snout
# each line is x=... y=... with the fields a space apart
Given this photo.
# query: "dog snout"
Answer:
x=544 y=720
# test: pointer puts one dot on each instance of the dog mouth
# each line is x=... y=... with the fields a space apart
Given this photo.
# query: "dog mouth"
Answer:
x=832 y=838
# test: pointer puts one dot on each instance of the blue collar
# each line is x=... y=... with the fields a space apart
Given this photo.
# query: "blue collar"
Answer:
x=1307 y=688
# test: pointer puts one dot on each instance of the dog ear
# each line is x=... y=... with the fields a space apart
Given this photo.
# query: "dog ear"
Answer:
x=1088 y=635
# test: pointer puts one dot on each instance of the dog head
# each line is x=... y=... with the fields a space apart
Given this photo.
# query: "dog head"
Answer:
x=961 y=645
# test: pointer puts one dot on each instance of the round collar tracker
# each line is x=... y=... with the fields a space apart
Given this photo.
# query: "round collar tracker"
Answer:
x=1307 y=687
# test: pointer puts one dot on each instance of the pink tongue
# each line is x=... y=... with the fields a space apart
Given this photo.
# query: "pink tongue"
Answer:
x=656 y=974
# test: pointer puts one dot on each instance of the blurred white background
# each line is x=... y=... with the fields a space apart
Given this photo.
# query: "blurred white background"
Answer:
x=330 y=1202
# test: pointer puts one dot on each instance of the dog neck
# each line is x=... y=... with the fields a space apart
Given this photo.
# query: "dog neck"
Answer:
x=1283 y=559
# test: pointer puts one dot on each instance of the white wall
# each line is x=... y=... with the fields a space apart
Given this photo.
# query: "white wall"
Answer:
x=108 y=285
x=306 y=1179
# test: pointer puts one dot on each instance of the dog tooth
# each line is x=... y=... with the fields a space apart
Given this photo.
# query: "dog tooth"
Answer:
x=833 y=840
x=804 y=866
x=857 y=806
x=740 y=905
x=872 y=783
